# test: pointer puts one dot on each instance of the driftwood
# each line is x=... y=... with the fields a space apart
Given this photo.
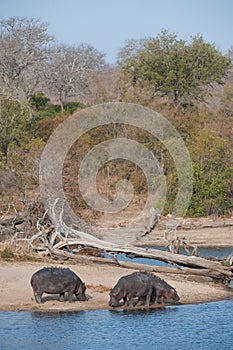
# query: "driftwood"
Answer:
x=194 y=265
x=61 y=241
x=61 y=254
x=18 y=225
x=229 y=259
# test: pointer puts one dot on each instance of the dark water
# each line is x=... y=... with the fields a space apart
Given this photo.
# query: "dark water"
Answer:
x=202 y=326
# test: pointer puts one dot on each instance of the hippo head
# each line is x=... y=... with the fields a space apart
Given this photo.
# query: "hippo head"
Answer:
x=80 y=292
x=115 y=296
x=172 y=294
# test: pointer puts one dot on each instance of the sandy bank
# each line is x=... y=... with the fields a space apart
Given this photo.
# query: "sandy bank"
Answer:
x=16 y=292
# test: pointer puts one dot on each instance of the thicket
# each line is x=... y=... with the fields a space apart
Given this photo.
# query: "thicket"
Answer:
x=153 y=72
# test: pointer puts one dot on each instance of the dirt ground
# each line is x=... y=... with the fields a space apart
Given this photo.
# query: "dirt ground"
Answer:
x=16 y=292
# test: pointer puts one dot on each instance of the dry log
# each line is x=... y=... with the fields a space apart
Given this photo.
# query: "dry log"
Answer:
x=136 y=266
x=189 y=261
x=179 y=259
x=229 y=259
x=69 y=237
x=193 y=262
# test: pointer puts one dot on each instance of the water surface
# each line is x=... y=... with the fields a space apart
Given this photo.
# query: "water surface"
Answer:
x=200 y=326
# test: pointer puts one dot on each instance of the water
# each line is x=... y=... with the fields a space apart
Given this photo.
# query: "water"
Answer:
x=201 y=326
x=216 y=252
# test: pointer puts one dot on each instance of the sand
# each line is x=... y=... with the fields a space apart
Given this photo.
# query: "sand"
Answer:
x=16 y=292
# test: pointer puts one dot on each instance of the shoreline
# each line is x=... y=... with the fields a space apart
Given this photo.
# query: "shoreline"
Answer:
x=16 y=293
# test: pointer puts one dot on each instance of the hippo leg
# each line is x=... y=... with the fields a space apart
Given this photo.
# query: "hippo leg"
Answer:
x=139 y=302
x=70 y=296
x=124 y=300
x=62 y=297
x=148 y=297
x=131 y=303
x=38 y=296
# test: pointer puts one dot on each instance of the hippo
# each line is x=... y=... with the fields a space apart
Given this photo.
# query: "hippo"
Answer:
x=161 y=289
x=129 y=287
x=54 y=280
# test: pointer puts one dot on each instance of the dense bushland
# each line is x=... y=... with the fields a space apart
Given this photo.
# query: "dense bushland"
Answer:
x=189 y=83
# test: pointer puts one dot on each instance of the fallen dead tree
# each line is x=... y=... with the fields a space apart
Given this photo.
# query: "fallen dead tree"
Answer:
x=62 y=241
x=61 y=254
x=213 y=268
x=63 y=247
x=229 y=259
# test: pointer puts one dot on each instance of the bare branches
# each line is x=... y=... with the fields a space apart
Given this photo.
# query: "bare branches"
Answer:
x=179 y=243
x=67 y=72
x=24 y=46
x=30 y=61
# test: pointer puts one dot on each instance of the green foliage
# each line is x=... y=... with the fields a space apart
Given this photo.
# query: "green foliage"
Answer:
x=46 y=120
x=52 y=111
x=161 y=66
x=213 y=168
x=212 y=171
x=14 y=124
x=176 y=68
x=39 y=101
x=71 y=107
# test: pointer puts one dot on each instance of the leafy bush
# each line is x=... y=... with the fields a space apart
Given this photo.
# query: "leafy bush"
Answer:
x=52 y=111
x=212 y=165
x=39 y=101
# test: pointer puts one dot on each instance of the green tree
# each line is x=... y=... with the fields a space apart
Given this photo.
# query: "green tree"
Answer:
x=176 y=68
x=14 y=122
x=213 y=168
